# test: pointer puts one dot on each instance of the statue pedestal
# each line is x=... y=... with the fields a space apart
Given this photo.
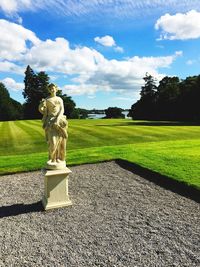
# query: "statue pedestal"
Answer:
x=56 y=189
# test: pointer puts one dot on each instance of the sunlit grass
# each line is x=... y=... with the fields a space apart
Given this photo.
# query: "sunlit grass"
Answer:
x=170 y=149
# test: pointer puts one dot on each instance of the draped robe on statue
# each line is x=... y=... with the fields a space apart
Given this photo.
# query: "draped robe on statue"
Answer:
x=55 y=126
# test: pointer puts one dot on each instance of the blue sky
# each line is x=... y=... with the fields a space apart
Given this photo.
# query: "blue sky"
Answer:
x=98 y=51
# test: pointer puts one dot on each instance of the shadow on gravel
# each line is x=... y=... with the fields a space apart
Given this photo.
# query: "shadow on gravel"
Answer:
x=161 y=180
x=18 y=209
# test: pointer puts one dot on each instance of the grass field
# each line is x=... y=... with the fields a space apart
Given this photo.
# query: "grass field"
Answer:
x=171 y=149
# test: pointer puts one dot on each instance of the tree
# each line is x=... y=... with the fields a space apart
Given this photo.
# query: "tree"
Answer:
x=167 y=98
x=145 y=108
x=174 y=100
x=149 y=89
x=114 y=112
x=82 y=113
x=17 y=113
x=35 y=89
x=69 y=105
x=189 y=98
x=9 y=108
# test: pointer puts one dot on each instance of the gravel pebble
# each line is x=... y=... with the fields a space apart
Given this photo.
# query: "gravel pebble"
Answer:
x=117 y=219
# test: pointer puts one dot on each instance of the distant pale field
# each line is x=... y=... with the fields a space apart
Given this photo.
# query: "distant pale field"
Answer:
x=168 y=148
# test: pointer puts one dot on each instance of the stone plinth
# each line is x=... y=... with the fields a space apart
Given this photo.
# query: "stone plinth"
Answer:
x=56 y=189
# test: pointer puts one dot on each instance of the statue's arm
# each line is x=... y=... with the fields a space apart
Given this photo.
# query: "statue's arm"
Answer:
x=42 y=106
x=43 y=109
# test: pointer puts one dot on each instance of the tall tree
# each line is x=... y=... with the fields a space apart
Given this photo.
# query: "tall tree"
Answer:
x=145 y=108
x=174 y=100
x=189 y=98
x=167 y=98
x=149 y=89
x=35 y=89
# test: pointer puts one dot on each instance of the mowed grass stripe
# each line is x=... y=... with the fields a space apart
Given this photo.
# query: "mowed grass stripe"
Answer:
x=164 y=132
x=37 y=123
x=169 y=131
x=34 y=132
x=141 y=134
x=93 y=136
x=132 y=134
x=26 y=139
x=36 y=137
x=107 y=131
x=6 y=133
x=122 y=135
x=20 y=137
x=81 y=138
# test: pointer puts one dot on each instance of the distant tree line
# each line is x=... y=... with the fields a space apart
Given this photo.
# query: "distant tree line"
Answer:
x=172 y=99
x=114 y=113
x=35 y=88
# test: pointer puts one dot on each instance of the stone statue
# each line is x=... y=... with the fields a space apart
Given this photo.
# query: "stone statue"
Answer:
x=55 y=126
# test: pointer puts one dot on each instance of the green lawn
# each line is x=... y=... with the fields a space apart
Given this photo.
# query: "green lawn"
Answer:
x=171 y=149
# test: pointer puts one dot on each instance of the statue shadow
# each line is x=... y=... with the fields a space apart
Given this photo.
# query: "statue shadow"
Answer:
x=17 y=209
x=161 y=180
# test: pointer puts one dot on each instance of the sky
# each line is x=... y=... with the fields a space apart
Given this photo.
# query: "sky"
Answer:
x=98 y=51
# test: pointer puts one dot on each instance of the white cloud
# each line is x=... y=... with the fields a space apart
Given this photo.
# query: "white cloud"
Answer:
x=87 y=70
x=91 y=96
x=53 y=77
x=99 y=9
x=190 y=62
x=58 y=56
x=8 y=6
x=11 y=84
x=13 y=40
x=121 y=98
x=119 y=49
x=80 y=89
x=128 y=74
x=13 y=6
x=193 y=61
x=120 y=76
x=106 y=40
x=6 y=66
x=179 y=26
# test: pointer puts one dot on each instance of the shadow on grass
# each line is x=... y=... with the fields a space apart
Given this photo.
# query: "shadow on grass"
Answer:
x=17 y=209
x=152 y=123
x=161 y=180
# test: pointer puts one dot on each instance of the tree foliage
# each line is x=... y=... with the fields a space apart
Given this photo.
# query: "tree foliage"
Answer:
x=69 y=105
x=145 y=107
x=82 y=113
x=114 y=112
x=36 y=88
x=171 y=99
x=9 y=108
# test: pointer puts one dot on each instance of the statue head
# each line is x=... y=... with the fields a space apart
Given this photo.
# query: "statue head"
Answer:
x=52 y=88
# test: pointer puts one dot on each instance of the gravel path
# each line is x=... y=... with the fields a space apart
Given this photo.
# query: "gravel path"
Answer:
x=117 y=219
